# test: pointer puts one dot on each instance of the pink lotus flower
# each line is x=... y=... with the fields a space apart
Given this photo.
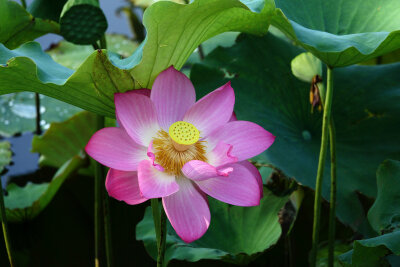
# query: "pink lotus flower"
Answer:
x=169 y=147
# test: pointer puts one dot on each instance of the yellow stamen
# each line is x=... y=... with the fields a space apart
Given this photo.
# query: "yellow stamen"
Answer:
x=183 y=135
x=172 y=159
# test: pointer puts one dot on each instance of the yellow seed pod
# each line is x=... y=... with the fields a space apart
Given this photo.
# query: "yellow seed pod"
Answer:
x=184 y=133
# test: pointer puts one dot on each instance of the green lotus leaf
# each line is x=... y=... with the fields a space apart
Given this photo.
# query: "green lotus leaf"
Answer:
x=91 y=86
x=18 y=26
x=64 y=140
x=366 y=110
x=341 y=33
x=371 y=252
x=25 y=203
x=235 y=233
x=174 y=31
x=384 y=215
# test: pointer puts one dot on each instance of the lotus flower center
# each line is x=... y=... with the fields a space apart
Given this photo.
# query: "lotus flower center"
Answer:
x=183 y=135
x=181 y=144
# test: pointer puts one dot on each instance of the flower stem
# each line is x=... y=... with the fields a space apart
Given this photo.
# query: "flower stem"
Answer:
x=98 y=186
x=106 y=198
x=332 y=208
x=163 y=239
x=156 y=218
x=5 y=229
x=107 y=227
x=321 y=165
x=160 y=226
x=38 y=116
x=101 y=199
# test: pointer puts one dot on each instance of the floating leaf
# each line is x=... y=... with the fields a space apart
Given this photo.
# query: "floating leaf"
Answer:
x=235 y=233
x=341 y=33
x=174 y=32
x=18 y=26
x=64 y=140
x=366 y=110
x=25 y=203
x=18 y=112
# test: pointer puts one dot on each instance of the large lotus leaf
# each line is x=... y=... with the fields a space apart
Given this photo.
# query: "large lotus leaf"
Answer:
x=235 y=233
x=5 y=154
x=25 y=203
x=91 y=87
x=72 y=56
x=366 y=110
x=64 y=140
x=18 y=26
x=18 y=112
x=384 y=215
x=341 y=33
x=173 y=32
x=371 y=252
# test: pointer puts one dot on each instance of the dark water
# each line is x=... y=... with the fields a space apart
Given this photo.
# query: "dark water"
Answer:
x=23 y=160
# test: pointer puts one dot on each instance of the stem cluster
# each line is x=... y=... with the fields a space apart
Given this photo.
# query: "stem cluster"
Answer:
x=328 y=130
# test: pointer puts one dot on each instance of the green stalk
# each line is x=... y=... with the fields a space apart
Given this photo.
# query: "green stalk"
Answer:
x=101 y=198
x=98 y=187
x=23 y=2
x=332 y=208
x=163 y=239
x=103 y=42
x=321 y=165
x=156 y=218
x=5 y=229
x=106 y=198
x=107 y=227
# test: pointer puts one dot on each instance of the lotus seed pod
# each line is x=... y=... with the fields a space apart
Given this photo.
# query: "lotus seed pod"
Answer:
x=82 y=22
